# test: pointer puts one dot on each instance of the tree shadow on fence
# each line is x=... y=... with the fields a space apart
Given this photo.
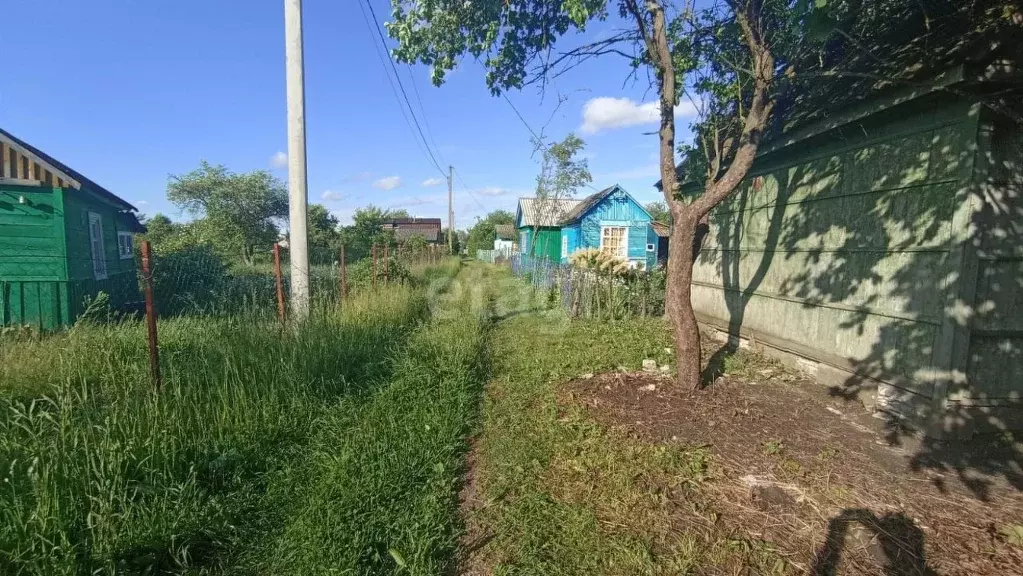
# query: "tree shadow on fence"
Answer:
x=903 y=253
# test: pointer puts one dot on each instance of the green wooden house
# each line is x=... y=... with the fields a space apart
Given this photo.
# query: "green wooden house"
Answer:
x=63 y=240
x=538 y=221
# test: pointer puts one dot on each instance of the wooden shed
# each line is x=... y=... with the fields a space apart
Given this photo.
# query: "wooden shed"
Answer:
x=63 y=240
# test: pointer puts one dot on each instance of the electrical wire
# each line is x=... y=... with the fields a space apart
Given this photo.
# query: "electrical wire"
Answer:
x=401 y=86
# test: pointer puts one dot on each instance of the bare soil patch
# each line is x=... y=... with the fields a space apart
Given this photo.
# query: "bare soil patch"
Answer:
x=816 y=476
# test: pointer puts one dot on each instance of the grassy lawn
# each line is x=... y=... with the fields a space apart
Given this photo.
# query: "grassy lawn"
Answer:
x=332 y=450
x=559 y=494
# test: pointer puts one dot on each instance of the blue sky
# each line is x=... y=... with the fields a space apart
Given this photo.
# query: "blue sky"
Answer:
x=129 y=92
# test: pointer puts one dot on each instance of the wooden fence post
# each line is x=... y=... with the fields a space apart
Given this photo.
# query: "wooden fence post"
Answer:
x=154 y=348
x=342 y=273
x=387 y=248
x=280 y=282
x=374 y=265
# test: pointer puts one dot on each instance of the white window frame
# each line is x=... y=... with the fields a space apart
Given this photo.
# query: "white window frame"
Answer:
x=650 y=247
x=99 y=261
x=125 y=245
x=564 y=246
x=623 y=249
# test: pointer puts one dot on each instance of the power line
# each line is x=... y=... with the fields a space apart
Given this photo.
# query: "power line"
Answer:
x=426 y=120
x=467 y=189
x=390 y=81
x=404 y=94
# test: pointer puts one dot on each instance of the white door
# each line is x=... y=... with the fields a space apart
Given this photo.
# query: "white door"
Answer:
x=99 y=255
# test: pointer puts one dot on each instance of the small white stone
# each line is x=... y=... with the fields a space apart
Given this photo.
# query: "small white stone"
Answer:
x=650 y=365
x=648 y=388
x=665 y=369
x=586 y=376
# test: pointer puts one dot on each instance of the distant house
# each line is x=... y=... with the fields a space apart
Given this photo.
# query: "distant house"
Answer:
x=505 y=238
x=63 y=239
x=538 y=222
x=613 y=221
x=404 y=228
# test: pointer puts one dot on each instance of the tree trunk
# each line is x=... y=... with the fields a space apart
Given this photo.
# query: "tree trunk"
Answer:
x=678 y=303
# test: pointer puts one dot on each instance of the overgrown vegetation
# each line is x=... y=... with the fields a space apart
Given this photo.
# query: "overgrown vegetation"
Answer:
x=559 y=494
x=263 y=444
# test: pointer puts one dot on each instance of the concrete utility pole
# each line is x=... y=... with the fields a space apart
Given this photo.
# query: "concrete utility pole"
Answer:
x=451 y=211
x=297 y=198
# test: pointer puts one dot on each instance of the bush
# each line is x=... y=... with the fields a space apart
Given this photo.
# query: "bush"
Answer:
x=360 y=274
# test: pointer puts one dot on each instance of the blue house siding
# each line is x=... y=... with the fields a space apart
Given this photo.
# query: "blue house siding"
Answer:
x=569 y=240
x=651 y=256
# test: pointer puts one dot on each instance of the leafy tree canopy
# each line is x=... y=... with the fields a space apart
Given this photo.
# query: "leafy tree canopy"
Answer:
x=239 y=213
x=482 y=234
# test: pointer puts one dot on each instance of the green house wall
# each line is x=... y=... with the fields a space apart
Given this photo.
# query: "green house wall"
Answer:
x=46 y=272
x=541 y=242
x=858 y=248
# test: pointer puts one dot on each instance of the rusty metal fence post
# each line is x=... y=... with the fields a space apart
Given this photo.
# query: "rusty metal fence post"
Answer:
x=374 y=265
x=154 y=348
x=280 y=282
x=342 y=273
x=386 y=258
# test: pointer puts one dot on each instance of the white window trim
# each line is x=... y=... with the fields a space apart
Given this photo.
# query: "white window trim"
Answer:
x=650 y=247
x=99 y=265
x=131 y=245
x=564 y=246
x=624 y=248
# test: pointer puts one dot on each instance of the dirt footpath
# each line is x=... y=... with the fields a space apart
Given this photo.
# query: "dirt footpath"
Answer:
x=827 y=484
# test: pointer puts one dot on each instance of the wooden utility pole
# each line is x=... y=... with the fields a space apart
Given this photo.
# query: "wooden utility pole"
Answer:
x=386 y=258
x=451 y=211
x=279 y=282
x=154 y=348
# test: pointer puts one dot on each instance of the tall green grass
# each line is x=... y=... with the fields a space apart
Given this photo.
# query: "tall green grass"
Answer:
x=100 y=475
x=380 y=486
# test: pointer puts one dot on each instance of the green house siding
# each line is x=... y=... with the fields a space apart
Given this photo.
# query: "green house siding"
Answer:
x=854 y=248
x=46 y=271
x=541 y=242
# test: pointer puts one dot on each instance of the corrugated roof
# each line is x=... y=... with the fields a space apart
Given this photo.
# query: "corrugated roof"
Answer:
x=545 y=211
x=54 y=163
x=505 y=231
x=661 y=229
x=589 y=202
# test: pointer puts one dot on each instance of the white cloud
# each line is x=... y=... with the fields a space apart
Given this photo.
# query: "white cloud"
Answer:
x=279 y=160
x=606 y=113
x=331 y=196
x=141 y=203
x=492 y=191
x=429 y=182
x=387 y=183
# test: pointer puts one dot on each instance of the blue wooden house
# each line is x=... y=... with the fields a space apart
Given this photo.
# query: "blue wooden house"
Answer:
x=613 y=221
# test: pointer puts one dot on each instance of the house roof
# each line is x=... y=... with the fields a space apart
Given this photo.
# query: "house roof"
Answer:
x=661 y=229
x=544 y=211
x=586 y=204
x=58 y=166
x=505 y=231
x=428 y=228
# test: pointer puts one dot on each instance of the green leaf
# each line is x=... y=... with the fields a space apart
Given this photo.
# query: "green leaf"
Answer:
x=820 y=3
x=398 y=558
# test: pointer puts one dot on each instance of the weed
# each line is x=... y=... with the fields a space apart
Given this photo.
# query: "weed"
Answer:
x=773 y=447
